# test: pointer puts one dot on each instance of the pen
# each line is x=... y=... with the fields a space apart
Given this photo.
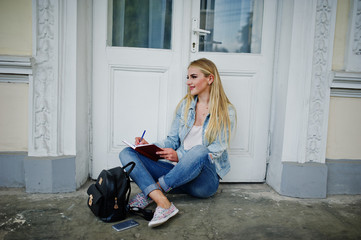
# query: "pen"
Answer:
x=142 y=137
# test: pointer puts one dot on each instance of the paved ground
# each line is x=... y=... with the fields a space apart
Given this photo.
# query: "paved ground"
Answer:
x=237 y=211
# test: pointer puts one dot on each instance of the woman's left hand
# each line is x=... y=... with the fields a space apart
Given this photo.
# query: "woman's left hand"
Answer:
x=169 y=154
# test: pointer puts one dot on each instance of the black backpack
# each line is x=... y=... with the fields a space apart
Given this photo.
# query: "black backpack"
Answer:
x=109 y=196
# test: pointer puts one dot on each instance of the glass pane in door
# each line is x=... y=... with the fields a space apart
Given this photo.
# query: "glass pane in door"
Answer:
x=235 y=26
x=140 y=23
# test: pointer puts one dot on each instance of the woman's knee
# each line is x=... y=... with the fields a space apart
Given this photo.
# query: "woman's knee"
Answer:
x=205 y=185
x=125 y=155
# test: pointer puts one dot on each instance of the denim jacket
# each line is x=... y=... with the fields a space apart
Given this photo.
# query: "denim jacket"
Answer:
x=179 y=129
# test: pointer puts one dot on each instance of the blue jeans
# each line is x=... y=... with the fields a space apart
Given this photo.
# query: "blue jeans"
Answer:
x=194 y=174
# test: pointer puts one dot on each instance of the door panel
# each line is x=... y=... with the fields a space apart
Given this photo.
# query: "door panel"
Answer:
x=146 y=108
x=242 y=99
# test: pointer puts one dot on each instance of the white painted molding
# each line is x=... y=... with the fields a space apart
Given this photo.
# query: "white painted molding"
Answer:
x=353 y=49
x=346 y=84
x=300 y=80
x=352 y=93
x=321 y=81
x=15 y=69
x=67 y=77
x=346 y=80
x=293 y=77
x=15 y=65
x=52 y=88
x=17 y=78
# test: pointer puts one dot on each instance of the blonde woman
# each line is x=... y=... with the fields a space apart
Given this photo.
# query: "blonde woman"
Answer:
x=195 y=148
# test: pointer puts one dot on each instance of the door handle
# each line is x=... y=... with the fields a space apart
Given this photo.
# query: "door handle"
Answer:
x=201 y=32
x=196 y=33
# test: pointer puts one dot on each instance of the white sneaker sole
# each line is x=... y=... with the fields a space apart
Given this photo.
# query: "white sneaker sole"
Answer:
x=163 y=220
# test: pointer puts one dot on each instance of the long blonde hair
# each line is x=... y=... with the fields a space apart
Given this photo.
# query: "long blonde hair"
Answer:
x=218 y=102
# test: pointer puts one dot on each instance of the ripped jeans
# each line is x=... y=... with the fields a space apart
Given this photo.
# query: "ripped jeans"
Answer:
x=194 y=174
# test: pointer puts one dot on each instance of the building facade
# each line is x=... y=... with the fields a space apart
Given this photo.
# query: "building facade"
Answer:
x=65 y=85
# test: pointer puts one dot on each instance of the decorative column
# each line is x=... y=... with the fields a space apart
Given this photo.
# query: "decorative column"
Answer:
x=53 y=98
x=321 y=81
x=301 y=97
x=50 y=166
x=44 y=99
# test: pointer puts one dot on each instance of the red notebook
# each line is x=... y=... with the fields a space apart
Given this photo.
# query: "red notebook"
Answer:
x=148 y=150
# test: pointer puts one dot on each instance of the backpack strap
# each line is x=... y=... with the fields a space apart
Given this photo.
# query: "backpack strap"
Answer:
x=131 y=168
x=128 y=173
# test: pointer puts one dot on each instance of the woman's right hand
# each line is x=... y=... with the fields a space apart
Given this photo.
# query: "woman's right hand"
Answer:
x=138 y=142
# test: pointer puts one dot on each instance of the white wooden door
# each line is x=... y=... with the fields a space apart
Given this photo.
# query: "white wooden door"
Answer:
x=246 y=73
x=137 y=88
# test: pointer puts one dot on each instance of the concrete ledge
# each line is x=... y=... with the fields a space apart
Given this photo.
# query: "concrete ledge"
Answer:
x=12 y=169
x=50 y=174
x=344 y=176
x=308 y=180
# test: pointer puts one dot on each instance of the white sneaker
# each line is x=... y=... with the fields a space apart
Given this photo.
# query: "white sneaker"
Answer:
x=161 y=215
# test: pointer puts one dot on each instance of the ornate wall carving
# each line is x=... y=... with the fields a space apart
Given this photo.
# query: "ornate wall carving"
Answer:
x=356 y=46
x=320 y=85
x=353 y=47
x=44 y=109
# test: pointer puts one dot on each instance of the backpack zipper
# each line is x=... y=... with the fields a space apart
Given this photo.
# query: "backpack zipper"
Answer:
x=116 y=203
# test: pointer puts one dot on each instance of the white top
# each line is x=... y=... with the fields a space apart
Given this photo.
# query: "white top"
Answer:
x=193 y=138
